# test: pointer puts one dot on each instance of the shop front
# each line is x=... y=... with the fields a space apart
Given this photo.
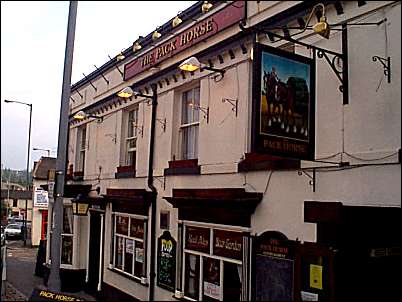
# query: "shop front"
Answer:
x=214 y=243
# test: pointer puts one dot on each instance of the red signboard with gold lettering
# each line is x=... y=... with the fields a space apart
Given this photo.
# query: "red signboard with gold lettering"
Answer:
x=228 y=244
x=224 y=18
x=197 y=239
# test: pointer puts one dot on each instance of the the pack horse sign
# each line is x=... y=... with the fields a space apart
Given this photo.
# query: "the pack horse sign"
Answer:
x=208 y=27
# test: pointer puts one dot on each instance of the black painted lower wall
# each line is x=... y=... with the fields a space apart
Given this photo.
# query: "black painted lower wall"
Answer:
x=110 y=293
x=71 y=280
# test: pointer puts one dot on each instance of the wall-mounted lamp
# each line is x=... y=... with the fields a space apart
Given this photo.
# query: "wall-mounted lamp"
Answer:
x=80 y=115
x=206 y=7
x=136 y=46
x=322 y=27
x=192 y=64
x=205 y=111
x=128 y=92
x=156 y=35
x=176 y=21
x=120 y=56
x=80 y=205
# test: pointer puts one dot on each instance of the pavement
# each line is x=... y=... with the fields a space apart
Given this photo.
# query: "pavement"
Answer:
x=21 y=279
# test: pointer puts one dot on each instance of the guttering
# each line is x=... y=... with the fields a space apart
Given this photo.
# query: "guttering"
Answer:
x=151 y=186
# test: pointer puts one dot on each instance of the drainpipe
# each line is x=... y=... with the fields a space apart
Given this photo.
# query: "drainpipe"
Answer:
x=154 y=191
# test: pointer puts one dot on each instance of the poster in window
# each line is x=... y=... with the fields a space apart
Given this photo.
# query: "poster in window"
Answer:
x=122 y=225
x=212 y=286
x=283 y=103
x=167 y=261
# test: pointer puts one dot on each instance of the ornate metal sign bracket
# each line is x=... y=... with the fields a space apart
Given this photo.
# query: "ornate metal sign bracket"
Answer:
x=333 y=58
x=386 y=63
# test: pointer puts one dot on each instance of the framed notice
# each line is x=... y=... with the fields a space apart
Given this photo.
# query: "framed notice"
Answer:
x=283 y=103
x=167 y=261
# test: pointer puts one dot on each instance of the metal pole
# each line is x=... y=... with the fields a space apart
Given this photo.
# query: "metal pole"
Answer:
x=54 y=277
x=26 y=200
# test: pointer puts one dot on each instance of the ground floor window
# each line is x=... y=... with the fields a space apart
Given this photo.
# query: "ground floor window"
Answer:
x=67 y=236
x=128 y=244
x=212 y=268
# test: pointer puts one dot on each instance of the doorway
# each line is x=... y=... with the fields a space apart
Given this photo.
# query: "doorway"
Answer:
x=94 y=259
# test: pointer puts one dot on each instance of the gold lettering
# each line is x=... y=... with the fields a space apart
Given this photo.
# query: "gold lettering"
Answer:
x=189 y=36
x=196 y=32
x=183 y=39
x=202 y=29
x=209 y=25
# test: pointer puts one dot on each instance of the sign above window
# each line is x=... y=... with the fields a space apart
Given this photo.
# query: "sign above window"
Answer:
x=226 y=17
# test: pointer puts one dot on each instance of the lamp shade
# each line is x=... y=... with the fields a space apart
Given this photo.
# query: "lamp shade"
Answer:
x=126 y=93
x=80 y=115
x=80 y=205
x=322 y=28
x=191 y=64
x=176 y=21
x=137 y=46
x=206 y=6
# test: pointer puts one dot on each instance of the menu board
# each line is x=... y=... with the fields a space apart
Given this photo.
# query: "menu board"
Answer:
x=166 y=261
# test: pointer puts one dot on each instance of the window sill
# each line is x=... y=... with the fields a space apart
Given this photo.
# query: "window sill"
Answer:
x=258 y=162
x=135 y=279
x=125 y=172
x=183 y=167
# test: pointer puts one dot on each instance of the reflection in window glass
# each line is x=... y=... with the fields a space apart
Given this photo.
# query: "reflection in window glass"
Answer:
x=119 y=252
x=67 y=220
x=192 y=276
x=128 y=257
x=122 y=225
x=139 y=258
x=66 y=249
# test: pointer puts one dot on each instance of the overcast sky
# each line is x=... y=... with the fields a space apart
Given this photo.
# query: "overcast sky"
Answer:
x=33 y=40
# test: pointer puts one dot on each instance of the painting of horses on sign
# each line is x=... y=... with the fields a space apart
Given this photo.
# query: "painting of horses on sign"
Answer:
x=283 y=120
x=285 y=97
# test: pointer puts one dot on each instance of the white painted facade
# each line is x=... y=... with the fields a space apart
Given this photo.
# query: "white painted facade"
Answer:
x=366 y=132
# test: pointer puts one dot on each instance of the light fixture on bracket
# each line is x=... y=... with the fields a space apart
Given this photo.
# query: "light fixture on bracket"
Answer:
x=206 y=6
x=156 y=34
x=233 y=102
x=128 y=92
x=136 y=46
x=205 y=111
x=192 y=64
x=139 y=128
x=81 y=115
x=163 y=122
x=176 y=21
x=120 y=56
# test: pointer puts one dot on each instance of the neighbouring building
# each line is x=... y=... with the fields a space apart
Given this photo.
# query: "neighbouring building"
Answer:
x=272 y=173
x=40 y=198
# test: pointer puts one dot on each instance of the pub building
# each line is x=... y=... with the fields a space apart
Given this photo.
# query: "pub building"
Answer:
x=242 y=151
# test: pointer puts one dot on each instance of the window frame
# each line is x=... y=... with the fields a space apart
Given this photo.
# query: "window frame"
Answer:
x=188 y=125
x=201 y=258
x=114 y=247
x=81 y=148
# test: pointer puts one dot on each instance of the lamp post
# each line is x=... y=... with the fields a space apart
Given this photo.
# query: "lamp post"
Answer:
x=54 y=276
x=29 y=149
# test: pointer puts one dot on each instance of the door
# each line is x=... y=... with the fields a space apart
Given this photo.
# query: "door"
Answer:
x=94 y=251
x=44 y=225
x=314 y=274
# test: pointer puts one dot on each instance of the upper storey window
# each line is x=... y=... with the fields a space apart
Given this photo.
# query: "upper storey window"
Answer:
x=190 y=121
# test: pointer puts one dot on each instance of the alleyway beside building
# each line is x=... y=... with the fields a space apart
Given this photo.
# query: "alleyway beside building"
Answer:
x=21 y=279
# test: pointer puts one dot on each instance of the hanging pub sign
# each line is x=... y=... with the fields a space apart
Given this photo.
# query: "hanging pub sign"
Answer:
x=197 y=239
x=229 y=15
x=228 y=244
x=167 y=261
x=283 y=103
